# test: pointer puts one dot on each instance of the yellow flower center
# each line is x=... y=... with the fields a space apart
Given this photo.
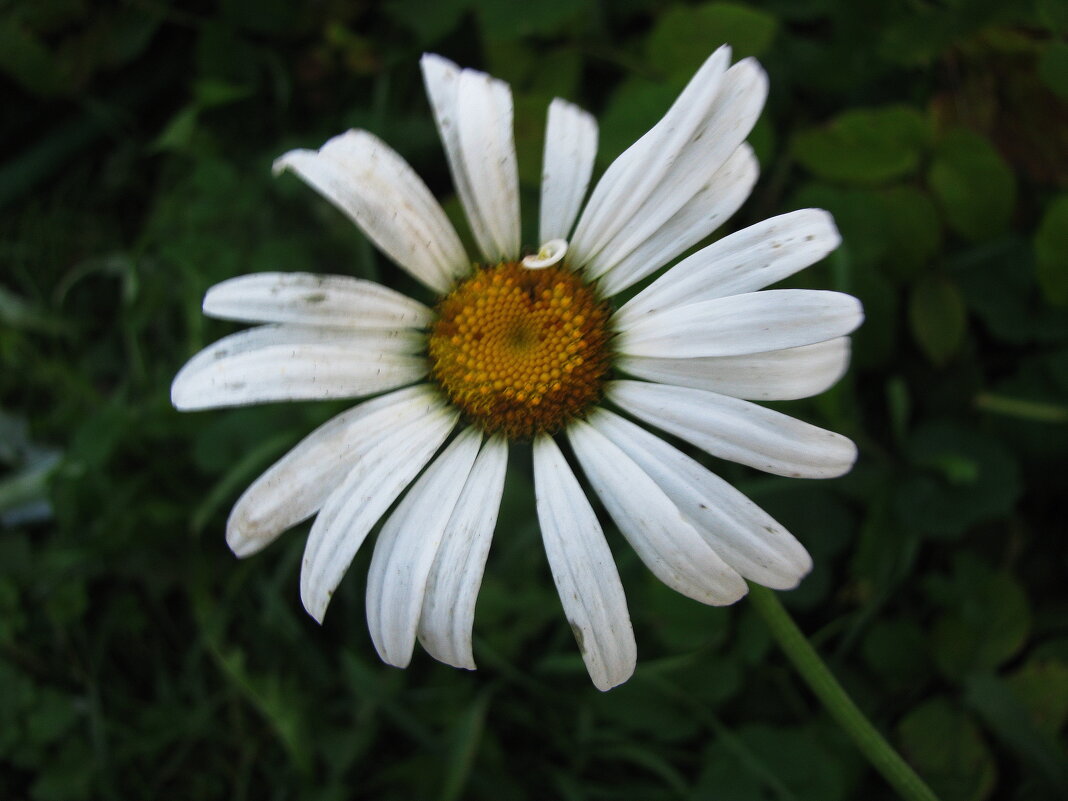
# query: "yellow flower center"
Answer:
x=520 y=351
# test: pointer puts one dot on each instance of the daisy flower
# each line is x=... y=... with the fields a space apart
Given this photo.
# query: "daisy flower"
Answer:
x=530 y=346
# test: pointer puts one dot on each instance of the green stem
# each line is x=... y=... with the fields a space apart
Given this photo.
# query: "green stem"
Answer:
x=835 y=700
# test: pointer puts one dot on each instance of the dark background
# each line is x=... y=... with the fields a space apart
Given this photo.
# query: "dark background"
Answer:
x=139 y=659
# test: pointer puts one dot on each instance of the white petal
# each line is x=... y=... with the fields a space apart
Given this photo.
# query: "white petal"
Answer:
x=334 y=301
x=407 y=546
x=375 y=187
x=632 y=177
x=448 y=615
x=744 y=535
x=728 y=122
x=286 y=362
x=583 y=569
x=752 y=323
x=772 y=375
x=361 y=499
x=738 y=430
x=484 y=111
x=295 y=487
x=745 y=261
x=715 y=203
x=652 y=523
x=474 y=117
x=567 y=164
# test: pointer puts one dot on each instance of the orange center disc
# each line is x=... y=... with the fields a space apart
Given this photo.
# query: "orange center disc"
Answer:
x=520 y=351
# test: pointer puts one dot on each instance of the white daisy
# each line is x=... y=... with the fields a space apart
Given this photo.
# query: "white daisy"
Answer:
x=532 y=348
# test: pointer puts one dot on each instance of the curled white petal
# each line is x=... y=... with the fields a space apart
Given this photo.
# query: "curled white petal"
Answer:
x=548 y=254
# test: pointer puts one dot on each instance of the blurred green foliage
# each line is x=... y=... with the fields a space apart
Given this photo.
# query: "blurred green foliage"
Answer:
x=138 y=659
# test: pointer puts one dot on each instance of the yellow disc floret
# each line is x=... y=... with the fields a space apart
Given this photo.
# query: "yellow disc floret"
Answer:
x=520 y=351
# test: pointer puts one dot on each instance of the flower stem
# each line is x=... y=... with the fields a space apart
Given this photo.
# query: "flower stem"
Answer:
x=835 y=700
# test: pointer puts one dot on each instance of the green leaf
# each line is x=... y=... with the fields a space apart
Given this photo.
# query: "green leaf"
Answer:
x=868 y=146
x=988 y=621
x=1054 y=15
x=998 y=283
x=1042 y=687
x=222 y=53
x=973 y=185
x=911 y=229
x=27 y=61
x=52 y=717
x=428 y=21
x=937 y=318
x=261 y=16
x=946 y=748
x=916 y=39
x=129 y=32
x=711 y=681
x=211 y=92
x=466 y=737
x=759 y=762
x=70 y=773
x=1053 y=68
x=896 y=651
x=276 y=698
x=178 y=134
x=644 y=760
x=1051 y=252
x=958 y=478
x=678 y=624
x=517 y=20
x=1008 y=719
x=685 y=36
x=643 y=710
